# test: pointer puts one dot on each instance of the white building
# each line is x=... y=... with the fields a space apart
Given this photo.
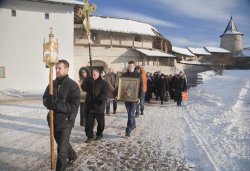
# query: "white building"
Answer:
x=24 y=25
x=119 y=40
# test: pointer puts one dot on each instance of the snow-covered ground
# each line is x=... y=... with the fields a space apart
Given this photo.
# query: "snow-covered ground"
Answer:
x=210 y=132
x=218 y=119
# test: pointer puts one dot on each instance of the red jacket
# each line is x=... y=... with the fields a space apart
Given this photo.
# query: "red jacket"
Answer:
x=144 y=80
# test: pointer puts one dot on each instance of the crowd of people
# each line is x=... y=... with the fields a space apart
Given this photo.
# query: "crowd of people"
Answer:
x=94 y=93
x=166 y=87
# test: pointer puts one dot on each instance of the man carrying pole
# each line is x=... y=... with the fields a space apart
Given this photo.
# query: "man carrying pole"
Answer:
x=64 y=103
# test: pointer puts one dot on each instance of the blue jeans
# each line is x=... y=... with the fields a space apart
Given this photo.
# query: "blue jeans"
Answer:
x=108 y=105
x=131 y=107
x=141 y=104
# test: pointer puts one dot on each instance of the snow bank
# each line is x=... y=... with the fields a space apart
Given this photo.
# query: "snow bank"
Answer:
x=9 y=94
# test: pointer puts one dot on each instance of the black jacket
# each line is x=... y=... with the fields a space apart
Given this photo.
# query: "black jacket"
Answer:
x=97 y=93
x=162 y=87
x=67 y=102
x=180 y=84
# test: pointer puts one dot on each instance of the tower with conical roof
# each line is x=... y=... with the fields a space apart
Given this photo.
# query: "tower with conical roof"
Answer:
x=231 y=39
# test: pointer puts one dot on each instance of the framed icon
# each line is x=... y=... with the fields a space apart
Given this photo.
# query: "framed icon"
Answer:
x=128 y=89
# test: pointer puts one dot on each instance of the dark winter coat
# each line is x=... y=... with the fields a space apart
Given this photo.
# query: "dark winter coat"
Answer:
x=67 y=102
x=162 y=87
x=97 y=93
x=180 y=84
x=148 y=95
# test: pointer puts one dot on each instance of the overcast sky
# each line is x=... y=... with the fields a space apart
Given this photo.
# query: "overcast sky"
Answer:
x=195 y=23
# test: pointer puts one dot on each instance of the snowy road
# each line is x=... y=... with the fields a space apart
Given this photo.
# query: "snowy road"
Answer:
x=211 y=132
x=218 y=115
x=155 y=144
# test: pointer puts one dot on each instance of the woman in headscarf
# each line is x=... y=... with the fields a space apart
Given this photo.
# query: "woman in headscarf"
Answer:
x=83 y=74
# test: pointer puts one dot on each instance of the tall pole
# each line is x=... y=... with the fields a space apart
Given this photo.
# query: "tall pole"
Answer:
x=51 y=118
x=50 y=57
x=84 y=12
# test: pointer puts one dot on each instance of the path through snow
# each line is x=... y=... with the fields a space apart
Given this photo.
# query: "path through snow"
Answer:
x=210 y=132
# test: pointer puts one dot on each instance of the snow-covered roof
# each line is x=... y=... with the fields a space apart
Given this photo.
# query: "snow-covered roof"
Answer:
x=74 y=2
x=195 y=62
x=216 y=50
x=231 y=28
x=243 y=53
x=199 y=51
x=246 y=52
x=182 y=51
x=121 y=25
x=155 y=53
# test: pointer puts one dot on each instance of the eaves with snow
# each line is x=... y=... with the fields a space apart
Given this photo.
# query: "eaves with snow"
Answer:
x=182 y=51
x=199 y=51
x=121 y=25
x=216 y=50
x=245 y=52
x=155 y=53
x=195 y=62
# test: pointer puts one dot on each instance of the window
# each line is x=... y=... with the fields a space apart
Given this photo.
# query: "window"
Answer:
x=94 y=37
x=137 y=38
x=46 y=16
x=2 y=72
x=13 y=13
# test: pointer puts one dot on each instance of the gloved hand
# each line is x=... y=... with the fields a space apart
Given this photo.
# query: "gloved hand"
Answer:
x=51 y=102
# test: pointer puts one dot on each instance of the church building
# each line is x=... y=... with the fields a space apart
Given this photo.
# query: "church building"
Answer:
x=115 y=41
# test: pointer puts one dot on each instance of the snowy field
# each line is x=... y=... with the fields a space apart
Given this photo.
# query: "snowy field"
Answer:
x=210 y=132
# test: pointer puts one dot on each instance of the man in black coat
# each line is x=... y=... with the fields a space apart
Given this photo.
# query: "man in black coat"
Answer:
x=180 y=85
x=97 y=93
x=65 y=103
x=162 y=87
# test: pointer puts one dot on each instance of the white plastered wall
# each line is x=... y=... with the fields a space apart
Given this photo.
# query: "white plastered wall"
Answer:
x=21 y=42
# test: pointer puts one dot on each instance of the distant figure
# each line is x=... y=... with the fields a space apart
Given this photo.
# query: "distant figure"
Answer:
x=171 y=86
x=167 y=88
x=97 y=93
x=83 y=75
x=140 y=106
x=149 y=91
x=112 y=80
x=180 y=85
x=155 y=84
x=65 y=103
x=162 y=88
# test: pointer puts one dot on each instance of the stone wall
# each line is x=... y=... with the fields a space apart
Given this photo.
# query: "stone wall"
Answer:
x=115 y=50
x=231 y=42
x=191 y=72
x=117 y=58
